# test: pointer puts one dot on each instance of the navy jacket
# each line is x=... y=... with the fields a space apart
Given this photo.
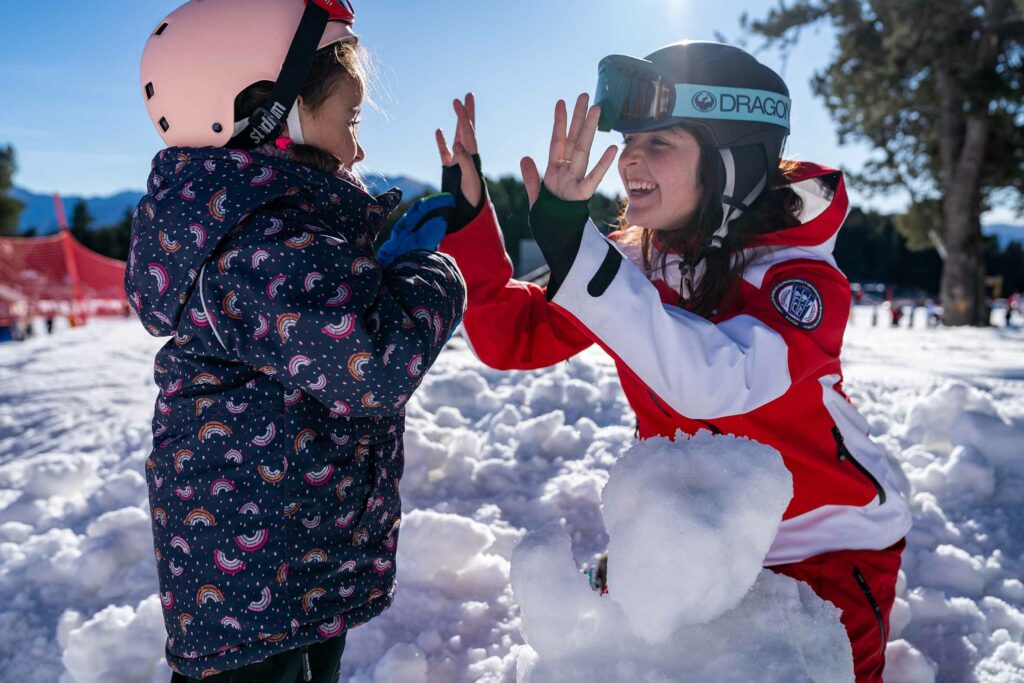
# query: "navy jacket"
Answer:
x=277 y=437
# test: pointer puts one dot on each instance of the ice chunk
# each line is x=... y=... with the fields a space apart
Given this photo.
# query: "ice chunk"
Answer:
x=999 y=439
x=560 y=612
x=953 y=569
x=404 y=663
x=690 y=523
x=905 y=664
x=108 y=631
x=930 y=417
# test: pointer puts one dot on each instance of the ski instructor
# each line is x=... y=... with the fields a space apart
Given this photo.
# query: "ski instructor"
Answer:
x=719 y=299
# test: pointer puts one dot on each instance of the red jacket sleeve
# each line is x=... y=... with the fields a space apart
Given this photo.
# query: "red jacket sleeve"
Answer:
x=509 y=324
x=788 y=330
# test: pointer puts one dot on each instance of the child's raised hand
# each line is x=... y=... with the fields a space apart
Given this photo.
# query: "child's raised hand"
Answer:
x=471 y=184
x=566 y=176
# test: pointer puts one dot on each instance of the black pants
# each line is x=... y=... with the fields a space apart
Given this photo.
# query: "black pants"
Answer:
x=318 y=663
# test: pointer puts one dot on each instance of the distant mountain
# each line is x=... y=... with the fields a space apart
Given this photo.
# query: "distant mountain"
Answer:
x=1005 y=233
x=39 y=212
x=410 y=188
x=108 y=210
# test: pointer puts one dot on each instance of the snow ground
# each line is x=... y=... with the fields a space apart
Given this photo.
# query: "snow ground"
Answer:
x=490 y=457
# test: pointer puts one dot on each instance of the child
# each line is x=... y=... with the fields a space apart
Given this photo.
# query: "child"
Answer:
x=273 y=481
x=724 y=312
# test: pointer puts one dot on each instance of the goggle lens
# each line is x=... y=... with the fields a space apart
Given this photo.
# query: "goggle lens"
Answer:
x=630 y=96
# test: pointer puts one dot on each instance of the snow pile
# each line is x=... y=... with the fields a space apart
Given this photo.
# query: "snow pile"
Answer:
x=492 y=456
x=690 y=523
x=963 y=612
x=109 y=631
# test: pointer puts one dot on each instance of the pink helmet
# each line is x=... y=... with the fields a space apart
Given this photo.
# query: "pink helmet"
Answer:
x=206 y=52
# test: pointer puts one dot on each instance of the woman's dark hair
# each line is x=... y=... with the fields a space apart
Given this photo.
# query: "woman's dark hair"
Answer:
x=776 y=208
x=334 y=66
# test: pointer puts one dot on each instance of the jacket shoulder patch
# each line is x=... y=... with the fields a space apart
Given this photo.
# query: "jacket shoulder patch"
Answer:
x=799 y=302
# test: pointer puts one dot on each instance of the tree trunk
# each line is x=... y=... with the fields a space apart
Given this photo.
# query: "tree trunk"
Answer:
x=962 y=146
x=963 y=273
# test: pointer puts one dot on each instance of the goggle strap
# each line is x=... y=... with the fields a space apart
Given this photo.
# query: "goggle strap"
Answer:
x=269 y=117
x=295 y=126
x=732 y=209
x=338 y=10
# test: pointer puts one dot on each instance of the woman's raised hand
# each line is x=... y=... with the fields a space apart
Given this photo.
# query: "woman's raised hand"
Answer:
x=465 y=147
x=566 y=175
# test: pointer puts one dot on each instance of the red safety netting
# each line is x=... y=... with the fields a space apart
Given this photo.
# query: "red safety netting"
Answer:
x=56 y=276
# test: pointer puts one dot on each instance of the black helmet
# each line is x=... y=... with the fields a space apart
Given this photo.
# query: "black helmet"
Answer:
x=734 y=103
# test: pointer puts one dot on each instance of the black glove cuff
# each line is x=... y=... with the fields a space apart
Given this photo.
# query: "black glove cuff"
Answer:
x=451 y=182
x=557 y=226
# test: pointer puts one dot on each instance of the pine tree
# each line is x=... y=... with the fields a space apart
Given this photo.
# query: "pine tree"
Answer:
x=937 y=88
x=81 y=222
x=10 y=208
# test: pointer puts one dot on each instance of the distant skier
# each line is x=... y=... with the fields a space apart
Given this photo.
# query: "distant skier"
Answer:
x=724 y=312
x=277 y=438
x=896 y=313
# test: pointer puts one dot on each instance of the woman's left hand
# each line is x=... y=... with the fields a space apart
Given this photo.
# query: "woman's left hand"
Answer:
x=566 y=176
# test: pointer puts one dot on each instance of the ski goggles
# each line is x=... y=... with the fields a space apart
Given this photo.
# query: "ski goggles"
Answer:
x=634 y=95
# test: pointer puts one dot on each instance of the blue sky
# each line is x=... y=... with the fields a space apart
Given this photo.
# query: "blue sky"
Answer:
x=74 y=110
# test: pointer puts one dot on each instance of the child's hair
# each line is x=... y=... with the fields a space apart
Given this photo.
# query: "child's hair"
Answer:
x=776 y=208
x=338 y=65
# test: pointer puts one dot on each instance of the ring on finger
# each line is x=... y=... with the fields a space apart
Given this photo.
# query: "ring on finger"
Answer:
x=564 y=162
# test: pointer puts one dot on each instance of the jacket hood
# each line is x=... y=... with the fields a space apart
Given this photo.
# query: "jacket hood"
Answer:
x=825 y=207
x=197 y=196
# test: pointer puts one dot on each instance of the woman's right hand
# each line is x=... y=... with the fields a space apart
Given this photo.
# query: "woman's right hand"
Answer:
x=463 y=159
x=566 y=175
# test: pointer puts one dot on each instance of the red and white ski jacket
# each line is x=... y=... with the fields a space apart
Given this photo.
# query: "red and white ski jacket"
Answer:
x=767 y=369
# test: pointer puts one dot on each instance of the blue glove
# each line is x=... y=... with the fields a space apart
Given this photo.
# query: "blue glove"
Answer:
x=422 y=227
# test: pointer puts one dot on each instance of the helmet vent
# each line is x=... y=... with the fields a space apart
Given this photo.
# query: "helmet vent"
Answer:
x=149 y=91
x=160 y=30
x=164 y=125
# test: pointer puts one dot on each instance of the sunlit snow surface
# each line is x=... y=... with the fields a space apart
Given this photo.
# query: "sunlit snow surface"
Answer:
x=492 y=456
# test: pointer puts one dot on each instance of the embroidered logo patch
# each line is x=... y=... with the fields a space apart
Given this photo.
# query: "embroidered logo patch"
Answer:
x=799 y=302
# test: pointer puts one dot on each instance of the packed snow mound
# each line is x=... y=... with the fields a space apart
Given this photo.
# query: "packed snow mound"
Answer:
x=957 y=414
x=690 y=523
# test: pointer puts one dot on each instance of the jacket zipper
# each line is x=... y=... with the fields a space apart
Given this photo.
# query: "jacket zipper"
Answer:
x=307 y=672
x=664 y=410
x=711 y=426
x=845 y=454
x=658 y=403
x=874 y=605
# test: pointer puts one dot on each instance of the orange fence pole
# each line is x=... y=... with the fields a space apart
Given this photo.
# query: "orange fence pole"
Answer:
x=77 y=316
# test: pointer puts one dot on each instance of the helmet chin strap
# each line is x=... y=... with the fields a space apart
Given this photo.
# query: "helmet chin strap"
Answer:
x=293 y=121
x=295 y=125
x=731 y=207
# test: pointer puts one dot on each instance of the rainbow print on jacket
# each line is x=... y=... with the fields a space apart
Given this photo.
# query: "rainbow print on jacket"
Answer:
x=291 y=353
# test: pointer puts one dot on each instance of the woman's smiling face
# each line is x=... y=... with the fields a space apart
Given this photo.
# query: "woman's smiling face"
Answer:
x=660 y=171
